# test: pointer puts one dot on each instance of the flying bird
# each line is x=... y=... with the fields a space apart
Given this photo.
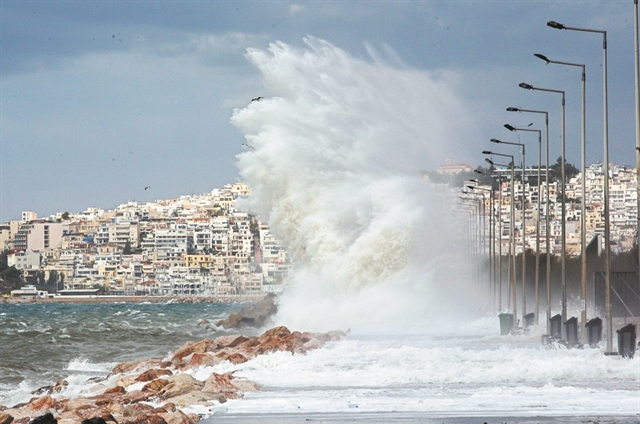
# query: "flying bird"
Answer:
x=257 y=99
x=147 y=187
x=248 y=146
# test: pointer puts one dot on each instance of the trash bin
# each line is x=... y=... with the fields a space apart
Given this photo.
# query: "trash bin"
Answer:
x=528 y=319
x=594 y=331
x=506 y=323
x=571 y=330
x=556 y=326
x=627 y=341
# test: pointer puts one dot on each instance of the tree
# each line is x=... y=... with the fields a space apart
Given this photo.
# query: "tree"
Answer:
x=65 y=215
x=127 y=248
x=570 y=170
x=53 y=278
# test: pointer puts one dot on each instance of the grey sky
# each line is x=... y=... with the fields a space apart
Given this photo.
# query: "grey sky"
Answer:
x=100 y=99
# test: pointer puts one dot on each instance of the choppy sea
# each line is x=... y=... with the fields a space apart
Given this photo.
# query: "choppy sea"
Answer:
x=466 y=370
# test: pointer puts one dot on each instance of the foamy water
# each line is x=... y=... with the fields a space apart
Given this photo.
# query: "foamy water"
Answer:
x=337 y=146
x=485 y=374
x=338 y=149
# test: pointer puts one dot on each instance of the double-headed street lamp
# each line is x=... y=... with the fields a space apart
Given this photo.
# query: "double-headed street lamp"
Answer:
x=583 y=208
x=512 y=241
x=547 y=223
x=524 y=226
x=607 y=241
x=563 y=253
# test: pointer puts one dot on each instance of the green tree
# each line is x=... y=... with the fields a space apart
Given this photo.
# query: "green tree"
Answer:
x=570 y=170
x=127 y=249
x=65 y=215
x=53 y=278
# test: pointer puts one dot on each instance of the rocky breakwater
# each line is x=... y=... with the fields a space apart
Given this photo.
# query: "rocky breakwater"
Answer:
x=163 y=390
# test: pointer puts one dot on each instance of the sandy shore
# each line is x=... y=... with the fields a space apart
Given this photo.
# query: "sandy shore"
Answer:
x=131 y=299
x=409 y=417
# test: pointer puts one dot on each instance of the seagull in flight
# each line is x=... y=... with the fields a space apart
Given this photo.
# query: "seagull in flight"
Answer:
x=257 y=99
x=248 y=146
x=147 y=187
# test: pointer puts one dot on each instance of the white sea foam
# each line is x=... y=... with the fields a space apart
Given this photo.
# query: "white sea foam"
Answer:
x=441 y=376
x=335 y=168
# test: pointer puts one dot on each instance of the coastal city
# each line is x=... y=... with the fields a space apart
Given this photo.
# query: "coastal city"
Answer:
x=205 y=245
x=192 y=245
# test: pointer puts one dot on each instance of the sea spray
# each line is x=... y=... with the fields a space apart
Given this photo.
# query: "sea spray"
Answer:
x=335 y=159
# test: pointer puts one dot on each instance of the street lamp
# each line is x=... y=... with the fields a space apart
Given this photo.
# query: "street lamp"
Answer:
x=512 y=241
x=524 y=226
x=637 y=65
x=490 y=192
x=563 y=253
x=607 y=230
x=547 y=224
x=498 y=239
x=583 y=209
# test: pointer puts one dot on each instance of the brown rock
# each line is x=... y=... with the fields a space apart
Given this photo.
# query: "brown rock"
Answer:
x=127 y=367
x=179 y=385
x=155 y=385
x=136 y=396
x=216 y=382
x=117 y=389
x=176 y=417
x=61 y=384
x=5 y=418
x=233 y=357
x=203 y=359
x=229 y=341
x=43 y=403
x=245 y=386
x=152 y=374
x=312 y=344
x=188 y=348
x=197 y=397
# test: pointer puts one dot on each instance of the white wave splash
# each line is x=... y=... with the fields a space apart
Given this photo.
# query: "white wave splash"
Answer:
x=335 y=160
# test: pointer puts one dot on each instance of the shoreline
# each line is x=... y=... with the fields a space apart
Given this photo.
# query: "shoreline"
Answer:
x=414 y=417
x=132 y=299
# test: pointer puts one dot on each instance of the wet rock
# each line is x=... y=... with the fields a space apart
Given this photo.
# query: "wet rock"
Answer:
x=190 y=348
x=42 y=403
x=155 y=385
x=153 y=374
x=257 y=315
x=94 y=420
x=179 y=385
x=47 y=418
x=203 y=359
x=5 y=418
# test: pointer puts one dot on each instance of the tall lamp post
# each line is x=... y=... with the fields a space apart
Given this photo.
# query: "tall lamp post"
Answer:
x=563 y=253
x=637 y=63
x=537 y=276
x=583 y=208
x=512 y=227
x=490 y=192
x=497 y=239
x=523 y=205
x=607 y=240
x=547 y=223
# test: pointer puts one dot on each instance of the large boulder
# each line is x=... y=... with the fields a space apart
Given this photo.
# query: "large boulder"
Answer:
x=47 y=418
x=5 y=418
x=257 y=315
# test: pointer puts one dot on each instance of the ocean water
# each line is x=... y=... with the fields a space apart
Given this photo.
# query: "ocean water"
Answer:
x=466 y=369
x=41 y=343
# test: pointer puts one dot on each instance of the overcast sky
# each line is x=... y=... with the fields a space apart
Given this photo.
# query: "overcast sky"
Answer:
x=100 y=99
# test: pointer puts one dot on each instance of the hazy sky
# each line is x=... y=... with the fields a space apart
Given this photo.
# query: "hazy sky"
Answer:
x=100 y=99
